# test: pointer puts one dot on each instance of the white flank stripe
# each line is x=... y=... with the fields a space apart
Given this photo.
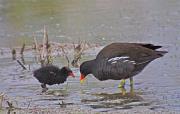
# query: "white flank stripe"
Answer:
x=126 y=61
x=114 y=62
x=143 y=62
x=133 y=62
x=118 y=58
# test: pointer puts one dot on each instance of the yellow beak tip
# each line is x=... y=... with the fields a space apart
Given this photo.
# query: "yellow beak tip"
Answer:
x=82 y=81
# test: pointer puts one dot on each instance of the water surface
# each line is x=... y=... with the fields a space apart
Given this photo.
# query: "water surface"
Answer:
x=95 y=21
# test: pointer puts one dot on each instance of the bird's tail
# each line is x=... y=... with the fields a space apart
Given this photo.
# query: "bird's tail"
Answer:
x=151 y=46
x=161 y=53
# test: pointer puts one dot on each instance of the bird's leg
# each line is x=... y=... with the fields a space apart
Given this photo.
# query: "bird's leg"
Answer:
x=132 y=90
x=44 y=88
x=131 y=81
x=43 y=85
x=122 y=83
x=131 y=85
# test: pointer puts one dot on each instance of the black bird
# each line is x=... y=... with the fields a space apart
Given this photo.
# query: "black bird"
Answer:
x=52 y=75
x=120 y=61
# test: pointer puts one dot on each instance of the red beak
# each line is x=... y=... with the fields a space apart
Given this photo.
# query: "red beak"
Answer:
x=82 y=77
x=71 y=74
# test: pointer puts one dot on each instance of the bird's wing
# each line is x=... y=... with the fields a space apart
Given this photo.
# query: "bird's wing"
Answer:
x=122 y=63
x=115 y=68
x=135 y=51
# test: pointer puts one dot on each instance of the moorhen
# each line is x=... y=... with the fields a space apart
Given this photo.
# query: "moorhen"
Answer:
x=52 y=75
x=120 y=61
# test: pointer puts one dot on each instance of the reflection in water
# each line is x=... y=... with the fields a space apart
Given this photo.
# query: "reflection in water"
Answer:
x=62 y=93
x=22 y=59
x=115 y=101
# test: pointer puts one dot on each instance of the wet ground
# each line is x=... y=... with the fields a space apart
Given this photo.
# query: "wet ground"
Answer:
x=157 y=88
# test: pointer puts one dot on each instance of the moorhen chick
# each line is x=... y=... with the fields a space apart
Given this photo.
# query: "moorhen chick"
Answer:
x=52 y=75
x=120 y=61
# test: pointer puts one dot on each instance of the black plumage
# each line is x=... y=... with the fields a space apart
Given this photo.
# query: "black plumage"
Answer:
x=120 y=61
x=52 y=75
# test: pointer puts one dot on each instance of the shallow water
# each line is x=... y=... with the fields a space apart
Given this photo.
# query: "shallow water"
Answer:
x=156 y=88
x=102 y=21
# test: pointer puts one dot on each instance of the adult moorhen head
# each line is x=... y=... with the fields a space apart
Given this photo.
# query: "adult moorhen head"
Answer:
x=52 y=75
x=120 y=61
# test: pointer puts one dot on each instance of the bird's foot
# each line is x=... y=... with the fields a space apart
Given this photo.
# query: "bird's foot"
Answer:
x=123 y=90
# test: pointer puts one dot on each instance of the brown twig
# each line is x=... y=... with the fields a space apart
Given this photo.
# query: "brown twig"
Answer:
x=45 y=56
x=1 y=99
x=78 y=50
x=22 y=49
x=42 y=57
x=10 y=105
x=35 y=43
x=37 y=50
x=65 y=54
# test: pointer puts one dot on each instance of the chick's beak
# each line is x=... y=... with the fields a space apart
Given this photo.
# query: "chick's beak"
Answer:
x=82 y=79
x=71 y=74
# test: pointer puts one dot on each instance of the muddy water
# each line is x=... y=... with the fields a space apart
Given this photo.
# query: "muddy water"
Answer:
x=102 y=21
